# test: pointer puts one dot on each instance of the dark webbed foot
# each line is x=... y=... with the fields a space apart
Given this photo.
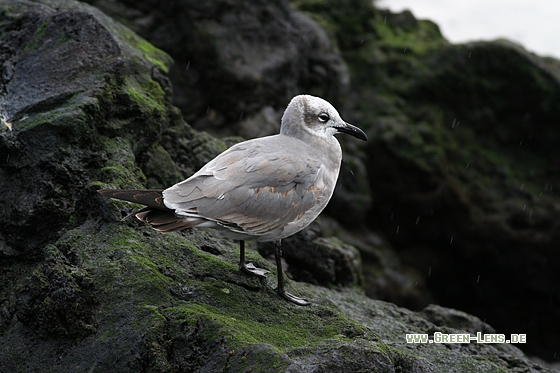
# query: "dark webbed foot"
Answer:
x=252 y=270
x=249 y=267
x=292 y=298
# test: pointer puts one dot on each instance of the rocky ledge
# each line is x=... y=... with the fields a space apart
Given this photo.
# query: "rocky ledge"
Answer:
x=86 y=103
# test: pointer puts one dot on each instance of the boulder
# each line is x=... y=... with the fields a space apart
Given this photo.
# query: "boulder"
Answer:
x=462 y=163
x=86 y=104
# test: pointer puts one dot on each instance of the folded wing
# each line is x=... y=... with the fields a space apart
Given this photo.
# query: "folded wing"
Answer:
x=255 y=189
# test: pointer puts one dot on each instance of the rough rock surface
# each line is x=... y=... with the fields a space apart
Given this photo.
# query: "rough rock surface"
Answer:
x=462 y=166
x=463 y=163
x=87 y=104
x=236 y=58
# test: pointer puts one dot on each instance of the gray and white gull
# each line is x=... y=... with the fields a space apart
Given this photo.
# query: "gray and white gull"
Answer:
x=264 y=189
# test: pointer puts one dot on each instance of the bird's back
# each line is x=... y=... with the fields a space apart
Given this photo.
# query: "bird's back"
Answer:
x=264 y=189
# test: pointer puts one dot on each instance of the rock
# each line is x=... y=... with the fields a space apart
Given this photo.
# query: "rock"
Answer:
x=54 y=152
x=318 y=260
x=461 y=163
x=471 y=185
x=455 y=319
x=235 y=59
x=84 y=289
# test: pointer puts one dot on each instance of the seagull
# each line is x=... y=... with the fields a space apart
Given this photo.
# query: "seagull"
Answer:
x=264 y=189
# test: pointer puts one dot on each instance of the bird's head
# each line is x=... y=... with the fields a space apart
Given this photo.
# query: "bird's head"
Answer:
x=317 y=117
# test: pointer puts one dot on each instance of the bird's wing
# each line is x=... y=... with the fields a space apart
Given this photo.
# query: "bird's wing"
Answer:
x=255 y=187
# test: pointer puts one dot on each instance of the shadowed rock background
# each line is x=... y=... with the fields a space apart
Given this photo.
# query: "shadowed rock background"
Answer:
x=453 y=201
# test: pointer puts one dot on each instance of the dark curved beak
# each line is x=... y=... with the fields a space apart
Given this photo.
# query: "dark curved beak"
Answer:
x=352 y=131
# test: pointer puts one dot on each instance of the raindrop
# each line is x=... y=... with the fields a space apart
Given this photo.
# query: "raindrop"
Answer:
x=468 y=165
x=404 y=49
x=362 y=42
x=398 y=228
x=385 y=20
x=207 y=109
x=352 y=172
x=478 y=279
x=416 y=284
x=524 y=206
x=520 y=142
x=451 y=240
x=429 y=271
x=188 y=65
x=392 y=215
x=417 y=220
x=470 y=55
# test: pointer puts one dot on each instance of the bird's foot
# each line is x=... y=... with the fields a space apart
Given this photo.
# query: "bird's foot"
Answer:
x=292 y=298
x=252 y=270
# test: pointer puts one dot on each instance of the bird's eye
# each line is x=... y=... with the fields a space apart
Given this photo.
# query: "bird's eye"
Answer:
x=324 y=117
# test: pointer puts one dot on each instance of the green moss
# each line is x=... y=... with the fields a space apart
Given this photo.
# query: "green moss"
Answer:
x=120 y=170
x=419 y=37
x=63 y=39
x=41 y=29
x=39 y=33
x=147 y=94
x=159 y=167
x=281 y=332
x=155 y=56
x=141 y=267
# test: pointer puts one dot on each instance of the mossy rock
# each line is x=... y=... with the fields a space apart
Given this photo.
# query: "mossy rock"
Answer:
x=162 y=303
x=85 y=289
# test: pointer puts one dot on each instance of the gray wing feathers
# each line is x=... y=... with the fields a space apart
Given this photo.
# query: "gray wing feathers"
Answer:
x=257 y=192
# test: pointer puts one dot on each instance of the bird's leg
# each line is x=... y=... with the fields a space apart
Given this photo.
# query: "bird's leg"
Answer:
x=249 y=267
x=281 y=291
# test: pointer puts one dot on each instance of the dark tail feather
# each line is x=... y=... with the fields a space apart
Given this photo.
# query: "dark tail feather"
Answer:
x=164 y=221
x=156 y=213
x=152 y=198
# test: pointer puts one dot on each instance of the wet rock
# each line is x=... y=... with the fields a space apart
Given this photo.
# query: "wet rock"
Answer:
x=84 y=290
x=325 y=261
x=52 y=153
x=236 y=58
x=455 y=319
x=461 y=163
x=473 y=188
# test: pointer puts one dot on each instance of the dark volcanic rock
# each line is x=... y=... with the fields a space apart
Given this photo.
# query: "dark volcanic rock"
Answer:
x=480 y=211
x=317 y=260
x=53 y=153
x=88 y=105
x=234 y=59
x=462 y=163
